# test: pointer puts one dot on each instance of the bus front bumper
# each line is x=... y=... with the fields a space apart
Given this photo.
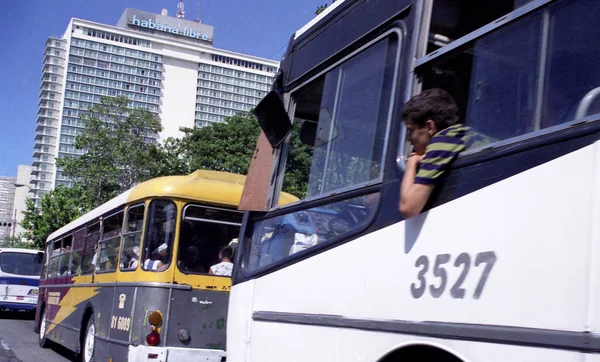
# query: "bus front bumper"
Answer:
x=173 y=354
x=18 y=306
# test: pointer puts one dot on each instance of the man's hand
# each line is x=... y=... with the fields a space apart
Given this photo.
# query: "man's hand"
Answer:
x=413 y=197
x=413 y=160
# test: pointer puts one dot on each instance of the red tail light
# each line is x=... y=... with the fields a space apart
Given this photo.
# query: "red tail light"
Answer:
x=153 y=339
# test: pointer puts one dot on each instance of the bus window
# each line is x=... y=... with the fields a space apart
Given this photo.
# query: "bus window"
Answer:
x=77 y=247
x=204 y=231
x=160 y=232
x=537 y=72
x=65 y=257
x=452 y=19
x=13 y=262
x=572 y=76
x=132 y=237
x=88 y=263
x=54 y=255
x=276 y=238
x=346 y=140
x=109 y=245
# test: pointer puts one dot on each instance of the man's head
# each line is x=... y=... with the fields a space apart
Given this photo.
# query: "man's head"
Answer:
x=226 y=253
x=426 y=114
x=161 y=251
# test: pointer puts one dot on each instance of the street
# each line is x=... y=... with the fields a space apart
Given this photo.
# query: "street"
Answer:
x=19 y=343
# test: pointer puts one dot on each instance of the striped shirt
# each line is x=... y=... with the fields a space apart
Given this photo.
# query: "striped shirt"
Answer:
x=443 y=148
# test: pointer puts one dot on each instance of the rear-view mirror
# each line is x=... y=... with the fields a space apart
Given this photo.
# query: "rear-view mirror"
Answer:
x=273 y=119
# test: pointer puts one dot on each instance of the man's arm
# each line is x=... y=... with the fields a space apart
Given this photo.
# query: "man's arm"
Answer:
x=413 y=197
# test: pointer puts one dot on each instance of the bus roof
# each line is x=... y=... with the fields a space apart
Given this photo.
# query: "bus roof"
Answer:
x=19 y=250
x=317 y=18
x=214 y=187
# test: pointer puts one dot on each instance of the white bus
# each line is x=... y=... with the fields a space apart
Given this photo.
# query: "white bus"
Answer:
x=20 y=271
x=501 y=265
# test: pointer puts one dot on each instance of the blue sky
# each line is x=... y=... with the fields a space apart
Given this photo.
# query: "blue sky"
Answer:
x=256 y=27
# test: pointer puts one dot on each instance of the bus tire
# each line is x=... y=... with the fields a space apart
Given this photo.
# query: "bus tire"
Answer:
x=42 y=339
x=88 y=345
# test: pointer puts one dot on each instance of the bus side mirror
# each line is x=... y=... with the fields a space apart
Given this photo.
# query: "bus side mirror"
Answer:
x=273 y=118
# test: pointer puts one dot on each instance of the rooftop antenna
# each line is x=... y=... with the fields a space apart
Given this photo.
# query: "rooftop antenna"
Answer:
x=197 y=11
x=180 y=11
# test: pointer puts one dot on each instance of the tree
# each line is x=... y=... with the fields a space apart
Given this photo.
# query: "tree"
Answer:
x=119 y=150
x=322 y=8
x=226 y=146
x=58 y=208
x=16 y=242
x=168 y=159
x=229 y=147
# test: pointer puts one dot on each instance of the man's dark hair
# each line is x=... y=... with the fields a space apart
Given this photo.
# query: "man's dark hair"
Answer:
x=191 y=258
x=435 y=104
x=227 y=252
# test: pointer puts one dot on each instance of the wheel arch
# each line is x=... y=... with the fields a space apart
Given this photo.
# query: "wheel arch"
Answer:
x=417 y=351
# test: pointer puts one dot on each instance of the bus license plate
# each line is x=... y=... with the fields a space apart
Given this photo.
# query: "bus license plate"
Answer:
x=31 y=300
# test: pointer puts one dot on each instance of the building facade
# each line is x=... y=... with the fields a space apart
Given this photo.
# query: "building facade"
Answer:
x=166 y=65
x=22 y=190
x=7 y=199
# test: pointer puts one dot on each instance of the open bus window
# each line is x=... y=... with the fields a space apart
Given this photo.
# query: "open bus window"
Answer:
x=281 y=236
x=77 y=247
x=340 y=124
x=204 y=231
x=508 y=84
x=158 y=245
x=453 y=19
x=21 y=263
x=132 y=237
x=54 y=250
x=109 y=245
x=88 y=264
x=65 y=257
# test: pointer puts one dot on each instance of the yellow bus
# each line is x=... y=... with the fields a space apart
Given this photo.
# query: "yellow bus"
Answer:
x=145 y=276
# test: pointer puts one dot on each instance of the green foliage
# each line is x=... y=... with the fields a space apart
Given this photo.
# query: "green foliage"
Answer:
x=295 y=180
x=227 y=146
x=58 y=208
x=16 y=242
x=118 y=150
x=322 y=8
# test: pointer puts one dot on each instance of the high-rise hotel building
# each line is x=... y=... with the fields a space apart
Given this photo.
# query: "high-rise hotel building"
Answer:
x=164 y=64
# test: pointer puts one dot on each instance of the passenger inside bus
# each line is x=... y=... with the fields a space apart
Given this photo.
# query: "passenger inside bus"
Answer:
x=190 y=261
x=157 y=261
x=225 y=266
x=203 y=234
x=437 y=137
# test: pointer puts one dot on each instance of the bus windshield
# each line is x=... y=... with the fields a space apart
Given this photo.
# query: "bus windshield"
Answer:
x=21 y=263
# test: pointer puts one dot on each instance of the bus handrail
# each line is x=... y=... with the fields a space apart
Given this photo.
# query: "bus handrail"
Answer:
x=586 y=102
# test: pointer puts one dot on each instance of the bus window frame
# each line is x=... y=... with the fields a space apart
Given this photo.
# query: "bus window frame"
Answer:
x=399 y=29
x=183 y=218
x=52 y=257
x=141 y=232
x=73 y=251
x=65 y=252
x=502 y=147
x=88 y=234
x=103 y=241
x=175 y=238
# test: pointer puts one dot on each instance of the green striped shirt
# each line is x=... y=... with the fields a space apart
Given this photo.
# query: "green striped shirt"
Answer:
x=443 y=148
